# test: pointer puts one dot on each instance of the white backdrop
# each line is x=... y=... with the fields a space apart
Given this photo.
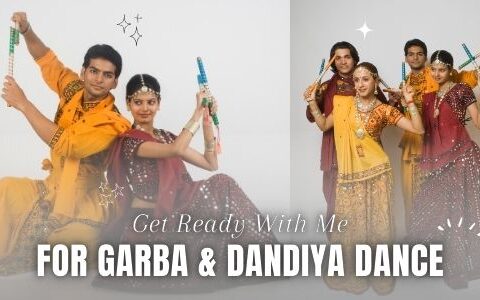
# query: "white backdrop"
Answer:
x=245 y=49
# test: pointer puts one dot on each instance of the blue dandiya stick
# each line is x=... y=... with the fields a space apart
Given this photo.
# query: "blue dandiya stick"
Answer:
x=469 y=54
x=404 y=73
x=468 y=61
x=383 y=82
x=202 y=78
x=322 y=66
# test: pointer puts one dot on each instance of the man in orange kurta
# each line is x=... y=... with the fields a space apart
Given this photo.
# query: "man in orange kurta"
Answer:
x=68 y=206
x=420 y=78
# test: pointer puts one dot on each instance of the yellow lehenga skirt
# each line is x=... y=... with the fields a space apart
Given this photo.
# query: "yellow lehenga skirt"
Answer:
x=363 y=197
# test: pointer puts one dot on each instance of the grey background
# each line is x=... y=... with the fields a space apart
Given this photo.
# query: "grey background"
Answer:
x=315 y=27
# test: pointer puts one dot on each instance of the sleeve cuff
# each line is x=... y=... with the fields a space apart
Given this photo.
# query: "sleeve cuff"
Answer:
x=56 y=137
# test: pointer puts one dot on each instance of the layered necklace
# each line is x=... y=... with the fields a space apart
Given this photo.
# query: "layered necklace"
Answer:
x=366 y=109
x=439 y=98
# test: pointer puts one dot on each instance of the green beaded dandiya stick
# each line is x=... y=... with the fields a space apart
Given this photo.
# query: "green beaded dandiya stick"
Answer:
x=14 y=41
x=207 y=102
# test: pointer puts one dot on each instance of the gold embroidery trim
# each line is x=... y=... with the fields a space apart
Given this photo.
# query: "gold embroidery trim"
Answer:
x=56 y=137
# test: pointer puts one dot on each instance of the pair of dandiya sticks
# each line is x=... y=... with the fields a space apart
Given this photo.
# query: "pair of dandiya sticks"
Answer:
x=323 y=71
x=471 y=59
x=201 y=77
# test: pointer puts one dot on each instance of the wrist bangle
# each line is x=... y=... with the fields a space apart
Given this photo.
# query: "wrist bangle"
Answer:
x=316 y=113
x=192 y=126
x=413 y=111
x=26 y=30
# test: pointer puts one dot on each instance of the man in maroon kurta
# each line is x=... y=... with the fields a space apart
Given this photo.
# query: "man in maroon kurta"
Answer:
x=341 y=83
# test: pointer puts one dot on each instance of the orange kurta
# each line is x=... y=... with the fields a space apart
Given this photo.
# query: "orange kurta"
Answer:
x=67 y=206
x=412 y=143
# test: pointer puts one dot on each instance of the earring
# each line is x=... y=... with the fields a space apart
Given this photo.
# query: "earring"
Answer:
x=376 y=90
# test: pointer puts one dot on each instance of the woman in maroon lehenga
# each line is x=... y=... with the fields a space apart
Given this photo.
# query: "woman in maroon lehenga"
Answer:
x=148 y=164
x=447 y=207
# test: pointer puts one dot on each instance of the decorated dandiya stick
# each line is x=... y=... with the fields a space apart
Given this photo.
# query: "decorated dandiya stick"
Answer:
x=404 y=73
x=322 y=67
x=469 y=54
x=14 y=41
x=384 y=83
x=203 y=83
x=326 y=68
x=469 y=61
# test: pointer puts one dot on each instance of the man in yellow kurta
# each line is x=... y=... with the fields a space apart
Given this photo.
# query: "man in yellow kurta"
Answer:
x=420 y=78
x=68 y=206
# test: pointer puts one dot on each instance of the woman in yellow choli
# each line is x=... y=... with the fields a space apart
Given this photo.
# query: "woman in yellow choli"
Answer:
x=364 y=174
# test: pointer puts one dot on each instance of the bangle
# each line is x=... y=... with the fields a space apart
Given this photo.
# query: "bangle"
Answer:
x=413 y=111
x=192 y=126
x=210 y=146
x=26 y=30
x=316 y=113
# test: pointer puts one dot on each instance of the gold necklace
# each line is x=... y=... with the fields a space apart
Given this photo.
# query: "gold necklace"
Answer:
x=439 y=99
x=360 y=131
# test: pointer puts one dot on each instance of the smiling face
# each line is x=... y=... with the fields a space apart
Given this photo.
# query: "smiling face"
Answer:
x=364 y=81
x=440 y=73
x=144 y=107
x=344 y=61
x=99 y=79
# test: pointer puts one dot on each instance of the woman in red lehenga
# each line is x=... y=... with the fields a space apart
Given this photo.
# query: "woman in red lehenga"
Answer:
x=148 y=164
x=447 y=207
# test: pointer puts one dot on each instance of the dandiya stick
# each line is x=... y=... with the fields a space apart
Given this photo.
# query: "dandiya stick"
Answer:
x=14 y=41
x=469 y=61
x=326 y=69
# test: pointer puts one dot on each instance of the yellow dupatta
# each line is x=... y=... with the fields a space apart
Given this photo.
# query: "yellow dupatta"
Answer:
x=358 y=159
x=93 y=132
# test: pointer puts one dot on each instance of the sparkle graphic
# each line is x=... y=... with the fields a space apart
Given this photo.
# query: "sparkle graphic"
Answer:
x=105 y=200
x=124 y=24
x=117 y=191
x=136 y=36
x=364 y=29
x=108 y=195
x=138 y=18
x=103 y=187
x=459 y=224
